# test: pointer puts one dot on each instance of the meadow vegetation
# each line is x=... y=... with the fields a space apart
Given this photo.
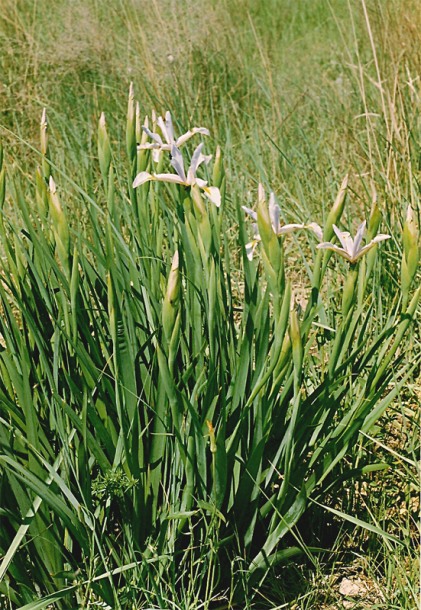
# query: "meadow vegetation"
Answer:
x=209 y=394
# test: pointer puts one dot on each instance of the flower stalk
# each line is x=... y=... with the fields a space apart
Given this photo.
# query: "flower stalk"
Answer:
x=104 y=149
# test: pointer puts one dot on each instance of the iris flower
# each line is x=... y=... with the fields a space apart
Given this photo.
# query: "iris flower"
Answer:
x=351 y=248
x=167 y=131
x=190 y=179
x=278 y=229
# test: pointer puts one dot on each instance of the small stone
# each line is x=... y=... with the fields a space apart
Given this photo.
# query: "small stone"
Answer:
x=349 y=588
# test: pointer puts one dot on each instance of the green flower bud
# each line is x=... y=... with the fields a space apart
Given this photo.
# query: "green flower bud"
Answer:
x=131 y=127
x=171 y=299
x=336 y=211
x=44 y=133
x=44 y=144
x=104 y=148
x=271 y=244
x=141 y=138
x=218 y=169
x=411 y=254
x=60 y=226
x=374 y=222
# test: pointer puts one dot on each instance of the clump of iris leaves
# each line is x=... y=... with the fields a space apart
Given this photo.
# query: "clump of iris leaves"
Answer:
x=167 y=413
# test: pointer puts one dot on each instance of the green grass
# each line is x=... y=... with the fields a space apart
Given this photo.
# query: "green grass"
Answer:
x=182 y=436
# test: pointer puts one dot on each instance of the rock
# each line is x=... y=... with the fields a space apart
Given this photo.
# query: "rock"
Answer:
x=351 y=588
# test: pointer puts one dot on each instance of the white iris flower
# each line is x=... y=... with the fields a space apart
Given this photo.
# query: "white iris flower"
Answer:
x=190 y=179
x=275 y=220
x=168 y=140
x=351 y=248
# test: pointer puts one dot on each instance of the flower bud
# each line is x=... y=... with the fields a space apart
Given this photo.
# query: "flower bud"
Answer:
x=141 y=138
x=171 y=299
x=411 y=254
x=372 y=230
x=60 y=226
x=44 y=144
x=373 y=222
x=218 y=169
x=410 y=233
x=271 y=244
x=336 y=211
x=104 y=148
x=44 y=133
x=131 y=127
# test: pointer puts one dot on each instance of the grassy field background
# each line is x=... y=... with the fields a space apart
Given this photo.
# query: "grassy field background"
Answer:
x=297 y=94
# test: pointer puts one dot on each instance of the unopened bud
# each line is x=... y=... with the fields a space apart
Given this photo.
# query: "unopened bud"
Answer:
x=60 y=226
x=411 y=254
x=171 y=299
x=218 y=168
x=44 y=133
x=131 y=126
x=410 y=231
x=373 y=222
x=336 y=211
x=44 y=144
x=104 y=148
x=263 y=218
x=271 y=244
